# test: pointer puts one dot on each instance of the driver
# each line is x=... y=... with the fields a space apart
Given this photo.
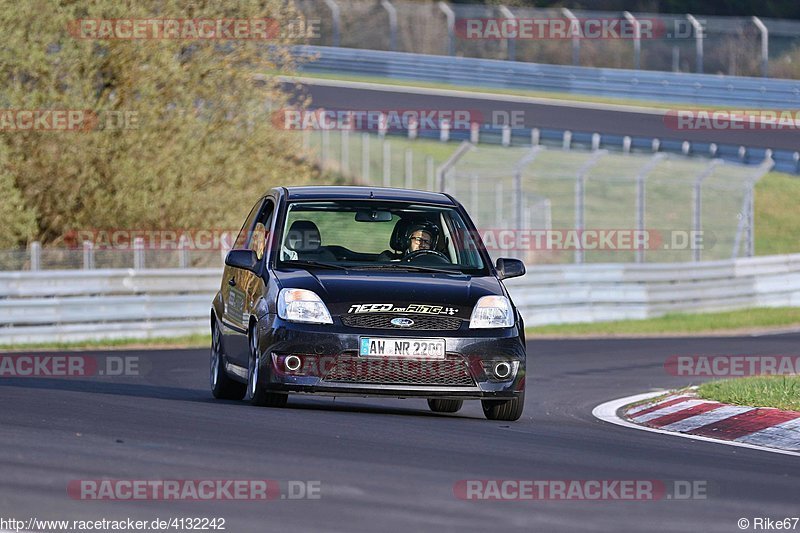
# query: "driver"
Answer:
x=421 y=236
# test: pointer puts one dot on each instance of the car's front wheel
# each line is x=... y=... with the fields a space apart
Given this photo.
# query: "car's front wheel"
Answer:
x=506 y=410
x=256 y=392
x=438 y=405
x=222 y=386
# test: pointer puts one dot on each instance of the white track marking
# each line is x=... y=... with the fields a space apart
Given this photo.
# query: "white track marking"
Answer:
x=607 y=412
x=680 y=406
x=787 y=435
x=704 y=419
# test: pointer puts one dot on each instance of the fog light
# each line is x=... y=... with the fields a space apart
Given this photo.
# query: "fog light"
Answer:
x=292 y=363
x=502 y=370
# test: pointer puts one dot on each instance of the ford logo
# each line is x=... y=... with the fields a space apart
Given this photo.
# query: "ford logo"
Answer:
x=402 y=322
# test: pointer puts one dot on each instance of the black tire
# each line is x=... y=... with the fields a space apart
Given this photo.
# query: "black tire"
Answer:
x=256 y=392
x=506 y=410
x=222 y=386
x=445 y=406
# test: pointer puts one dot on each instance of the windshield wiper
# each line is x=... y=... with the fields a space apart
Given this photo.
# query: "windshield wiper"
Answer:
x=318 y=264
x=415 y=268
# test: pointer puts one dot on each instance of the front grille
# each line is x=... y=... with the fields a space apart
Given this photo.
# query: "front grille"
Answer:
x=383 y=321
x=452 y=371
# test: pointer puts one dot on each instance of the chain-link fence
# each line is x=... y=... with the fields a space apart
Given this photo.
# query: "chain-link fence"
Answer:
x=541 y=203
x=546 y=204
x=744 y=46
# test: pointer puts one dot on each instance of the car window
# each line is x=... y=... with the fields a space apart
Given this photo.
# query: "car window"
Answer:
x=243 y=239
x=379 y=233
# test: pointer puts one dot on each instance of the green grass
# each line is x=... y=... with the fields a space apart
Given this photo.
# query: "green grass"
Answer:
x=782 y=392
x=497 y=90
x=677 y=323
x=187 y=341
x=777 y=217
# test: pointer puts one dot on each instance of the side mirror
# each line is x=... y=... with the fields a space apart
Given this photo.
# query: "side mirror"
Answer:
x=510 y=268
x=245 y=259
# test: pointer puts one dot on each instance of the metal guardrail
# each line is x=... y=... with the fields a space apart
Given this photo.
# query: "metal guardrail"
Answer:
x=589 y=293
x=69 y=305
x=670 y=87
x=101 y=304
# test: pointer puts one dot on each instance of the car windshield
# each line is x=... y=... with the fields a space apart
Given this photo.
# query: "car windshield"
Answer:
x=379 y=235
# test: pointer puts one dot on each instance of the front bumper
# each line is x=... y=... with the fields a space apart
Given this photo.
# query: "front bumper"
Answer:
x=330 y=364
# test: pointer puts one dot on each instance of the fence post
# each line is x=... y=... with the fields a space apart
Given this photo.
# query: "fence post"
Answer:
x=365 y=157
x=431 y=173
x=697 y=215
x=344 y=138
x=409 y=168
x=336 y=21
x=88 y=255
x=511 y=45
x=451 y=27
x=637 y=39
x=387 y=163
x=580 y=196
x=764 y=46
x=138 y=253
x=641 y=202
x=575 y=32
x=698 y=37
x=36 y=256
x=326 y=145
x=392 y=12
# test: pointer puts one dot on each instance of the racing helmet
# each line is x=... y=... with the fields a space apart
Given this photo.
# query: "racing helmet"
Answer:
x=428 y=227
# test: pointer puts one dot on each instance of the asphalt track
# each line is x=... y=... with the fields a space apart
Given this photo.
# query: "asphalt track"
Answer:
x=383 y=464
x=584 y=117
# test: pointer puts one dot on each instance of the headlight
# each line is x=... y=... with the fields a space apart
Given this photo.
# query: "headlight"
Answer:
x=492 y=312
x=300 y=305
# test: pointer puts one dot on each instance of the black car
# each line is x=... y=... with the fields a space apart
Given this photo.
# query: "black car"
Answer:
x=369 y=292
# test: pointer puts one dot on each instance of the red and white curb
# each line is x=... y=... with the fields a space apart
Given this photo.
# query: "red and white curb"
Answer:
x=685 y=415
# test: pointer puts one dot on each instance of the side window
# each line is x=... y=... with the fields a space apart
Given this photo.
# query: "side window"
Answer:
x=243 y=238
x=259 y=240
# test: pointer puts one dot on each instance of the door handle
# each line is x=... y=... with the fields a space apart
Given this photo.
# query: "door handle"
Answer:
x=232 y=282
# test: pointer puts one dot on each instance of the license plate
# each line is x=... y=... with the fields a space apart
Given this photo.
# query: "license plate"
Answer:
x=385 y=347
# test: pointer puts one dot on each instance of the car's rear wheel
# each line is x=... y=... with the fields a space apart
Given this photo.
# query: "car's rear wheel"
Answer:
x=256 y=392
x=438 y=405
x=507 y=410
x=222 y=386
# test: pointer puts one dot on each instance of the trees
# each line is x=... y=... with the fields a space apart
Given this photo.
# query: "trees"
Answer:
x=178 y=131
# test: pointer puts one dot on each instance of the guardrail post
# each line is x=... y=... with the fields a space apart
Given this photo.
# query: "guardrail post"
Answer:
x=506 y=135
x=336 y=20
x=698 y=39
x=365 y=157
x=326 y=145
x=392 y=12
x=413 y=128
x=764 y=46
x=88 y=255
x=473 y=192
x=575 y=32
x=444 y=130
x=498 y=204
x=451 y=27
x=637 y=39
x=183 y=252
x=523 y=161
x=36 y=256
x=474 y=133
x=511 y=45
x=138 y=253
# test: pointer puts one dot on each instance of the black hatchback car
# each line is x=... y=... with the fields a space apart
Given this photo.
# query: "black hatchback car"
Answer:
x=368 y=292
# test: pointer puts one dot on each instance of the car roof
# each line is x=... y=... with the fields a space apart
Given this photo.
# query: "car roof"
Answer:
x=366 y=193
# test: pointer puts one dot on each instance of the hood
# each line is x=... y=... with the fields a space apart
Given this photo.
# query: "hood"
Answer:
x=407 y=292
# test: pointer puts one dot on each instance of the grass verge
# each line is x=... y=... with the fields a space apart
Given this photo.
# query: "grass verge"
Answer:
x=187 y=341
x=741 y=321
x=782 y=392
